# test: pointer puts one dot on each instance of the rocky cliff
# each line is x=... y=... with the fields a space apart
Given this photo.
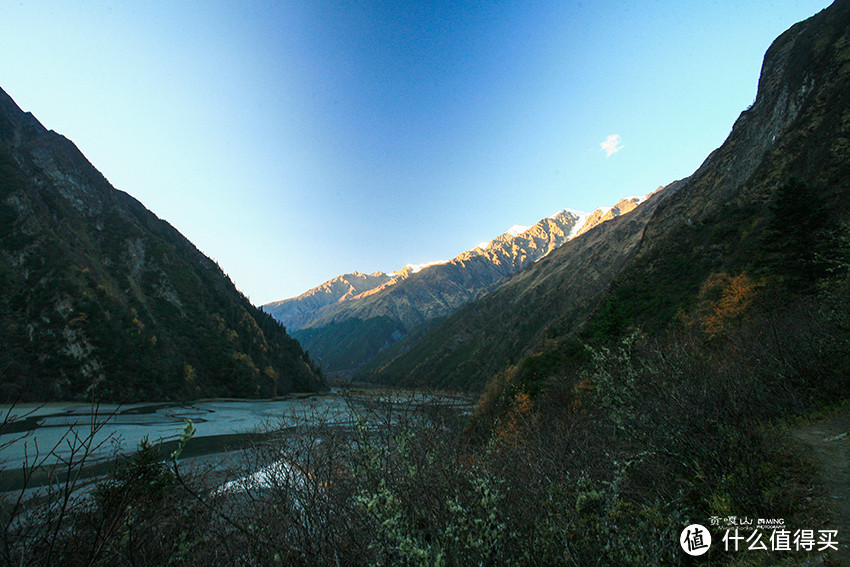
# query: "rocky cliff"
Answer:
x=771 y=202
x=297 y=312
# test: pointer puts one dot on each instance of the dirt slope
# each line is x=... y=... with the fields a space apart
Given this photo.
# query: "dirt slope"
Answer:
x=828 y=439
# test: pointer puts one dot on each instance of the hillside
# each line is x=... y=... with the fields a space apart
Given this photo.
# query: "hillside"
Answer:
x=779 y=186
x=551 y=296
x=348 y=320
x=685 y=363
x=102 y=298
x=791 y=144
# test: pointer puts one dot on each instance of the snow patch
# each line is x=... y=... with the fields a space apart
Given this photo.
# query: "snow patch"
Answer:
x=579 y=224
x=517 y=229
x=572 y=212
x=415 y=268
x=419 y=267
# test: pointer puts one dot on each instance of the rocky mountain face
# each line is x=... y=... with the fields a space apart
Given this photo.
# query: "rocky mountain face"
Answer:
x=351 y=318
x=493 y=332
x=776 y=193
x=783 y=172
x=103 y=299
x=297 y=312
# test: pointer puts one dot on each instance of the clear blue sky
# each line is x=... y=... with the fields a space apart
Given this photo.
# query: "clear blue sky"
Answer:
x=296 y=140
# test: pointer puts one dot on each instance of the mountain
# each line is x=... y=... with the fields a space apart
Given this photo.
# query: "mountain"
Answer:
x=102 y=298
x=773 y=200
x=774 y=195
x=487 y=335
x=297 y=312
x=351 y=318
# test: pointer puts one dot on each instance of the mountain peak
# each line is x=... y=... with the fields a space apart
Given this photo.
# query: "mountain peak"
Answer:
x=517 y=229
x=416 y=268
x=567 y=212
x=335 y=327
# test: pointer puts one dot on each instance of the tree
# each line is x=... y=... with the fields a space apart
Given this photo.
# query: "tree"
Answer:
x=797 y=241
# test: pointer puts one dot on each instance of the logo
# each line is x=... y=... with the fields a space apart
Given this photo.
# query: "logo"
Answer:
x=695 y=539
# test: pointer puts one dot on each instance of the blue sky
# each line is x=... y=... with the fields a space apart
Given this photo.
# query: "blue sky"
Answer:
x=293 y=141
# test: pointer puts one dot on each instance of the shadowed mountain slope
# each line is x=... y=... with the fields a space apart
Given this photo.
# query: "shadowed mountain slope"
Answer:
x=102 y=298
x=778 y=183
x=351 y=318
x=551 y=296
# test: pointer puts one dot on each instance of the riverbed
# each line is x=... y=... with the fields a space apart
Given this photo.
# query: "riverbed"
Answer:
x=92 y=436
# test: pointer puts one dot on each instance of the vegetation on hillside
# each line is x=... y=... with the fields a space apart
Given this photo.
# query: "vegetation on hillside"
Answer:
x=603 y=463
x=101 y=299
x=596 y=444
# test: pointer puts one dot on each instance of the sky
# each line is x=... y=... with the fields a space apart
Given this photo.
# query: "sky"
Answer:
x=297 y=140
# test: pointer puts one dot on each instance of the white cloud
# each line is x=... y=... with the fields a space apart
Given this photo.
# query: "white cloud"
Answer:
x=611 y=145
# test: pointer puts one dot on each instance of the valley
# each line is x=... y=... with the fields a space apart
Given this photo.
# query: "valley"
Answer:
x=351 y=319
x=582 y=391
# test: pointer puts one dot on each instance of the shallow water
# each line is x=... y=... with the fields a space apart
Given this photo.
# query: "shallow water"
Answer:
x=47 y=433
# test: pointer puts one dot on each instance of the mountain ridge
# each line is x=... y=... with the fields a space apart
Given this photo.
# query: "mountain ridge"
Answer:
x=791 y=145
x=415 y=295
x=104 y=299
x=356 y=285
x=459 y=351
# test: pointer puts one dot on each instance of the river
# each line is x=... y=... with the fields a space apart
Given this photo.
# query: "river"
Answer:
x=54 y=434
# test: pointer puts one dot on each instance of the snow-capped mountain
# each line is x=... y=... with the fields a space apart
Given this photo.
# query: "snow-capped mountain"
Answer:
x=350 y=318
